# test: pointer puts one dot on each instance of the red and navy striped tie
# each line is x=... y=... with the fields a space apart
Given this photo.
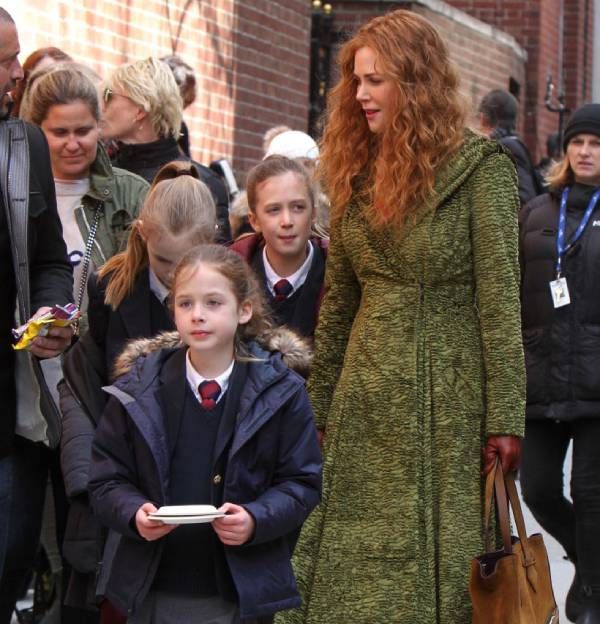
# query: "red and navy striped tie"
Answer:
x=283 y=289
x=209 y=392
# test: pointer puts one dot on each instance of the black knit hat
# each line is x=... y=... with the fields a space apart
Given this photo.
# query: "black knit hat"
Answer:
x=585 y=120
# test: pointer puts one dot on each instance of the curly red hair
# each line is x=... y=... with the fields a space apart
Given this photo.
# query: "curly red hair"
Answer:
x=29 y=66
x=395 y=170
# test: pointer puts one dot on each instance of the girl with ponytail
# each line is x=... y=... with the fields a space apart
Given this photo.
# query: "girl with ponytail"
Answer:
x=127 y=300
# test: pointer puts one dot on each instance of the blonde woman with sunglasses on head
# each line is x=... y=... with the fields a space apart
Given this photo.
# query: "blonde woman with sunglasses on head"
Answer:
x=142 y=112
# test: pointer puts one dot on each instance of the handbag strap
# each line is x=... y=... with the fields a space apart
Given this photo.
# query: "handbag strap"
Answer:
x=515 y=504
x=85 y=268
x=528 y=555
x=504 y=489
x=495 y=488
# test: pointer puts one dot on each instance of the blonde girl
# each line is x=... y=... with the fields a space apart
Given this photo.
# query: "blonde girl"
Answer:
x=178 y=215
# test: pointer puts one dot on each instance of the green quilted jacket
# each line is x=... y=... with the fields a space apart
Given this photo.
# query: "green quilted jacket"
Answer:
x=122 y=194
x=418 y=358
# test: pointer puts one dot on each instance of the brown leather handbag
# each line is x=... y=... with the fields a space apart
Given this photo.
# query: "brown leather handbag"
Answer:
x=511 y=585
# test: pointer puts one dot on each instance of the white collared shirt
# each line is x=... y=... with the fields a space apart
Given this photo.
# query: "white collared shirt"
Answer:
x=194 y=378
x=157 y=287
x=295 y=279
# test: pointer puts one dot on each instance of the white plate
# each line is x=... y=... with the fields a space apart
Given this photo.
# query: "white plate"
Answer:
x=185 y=510
x=198 y=519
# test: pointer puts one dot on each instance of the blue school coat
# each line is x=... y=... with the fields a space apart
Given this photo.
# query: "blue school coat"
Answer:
x=269 y=456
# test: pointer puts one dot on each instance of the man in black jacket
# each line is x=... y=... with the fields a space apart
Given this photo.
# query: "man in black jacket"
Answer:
x=24 y=462
x=498 y=120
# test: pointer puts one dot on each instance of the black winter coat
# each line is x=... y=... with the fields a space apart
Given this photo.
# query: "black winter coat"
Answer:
x=530 y=183
x=562 y=345
x=146 y=159
x=112 y=329
x=51 y=279
x=267 y=449
x=87 y=367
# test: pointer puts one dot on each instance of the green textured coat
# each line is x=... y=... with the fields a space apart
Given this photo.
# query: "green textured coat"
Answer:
x=418 y=359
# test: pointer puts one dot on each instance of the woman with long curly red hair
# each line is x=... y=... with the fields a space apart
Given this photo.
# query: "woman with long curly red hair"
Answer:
x=38 y=59
x=418 y=361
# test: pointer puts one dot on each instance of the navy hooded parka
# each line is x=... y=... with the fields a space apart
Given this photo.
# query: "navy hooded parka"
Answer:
x=266 y=458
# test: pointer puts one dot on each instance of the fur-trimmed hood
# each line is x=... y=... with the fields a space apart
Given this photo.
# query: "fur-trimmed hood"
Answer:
x=295 y=351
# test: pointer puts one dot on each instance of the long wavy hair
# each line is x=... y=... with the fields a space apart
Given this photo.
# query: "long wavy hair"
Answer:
x=395 y=170
x=29 y=66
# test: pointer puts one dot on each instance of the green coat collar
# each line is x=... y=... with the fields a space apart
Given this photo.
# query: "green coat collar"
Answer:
x=101 y=176
x=459 y=167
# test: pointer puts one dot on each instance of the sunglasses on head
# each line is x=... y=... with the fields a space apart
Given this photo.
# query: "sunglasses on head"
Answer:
x=108 y=94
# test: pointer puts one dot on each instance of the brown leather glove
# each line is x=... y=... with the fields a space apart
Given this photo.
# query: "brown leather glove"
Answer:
x=506 y=448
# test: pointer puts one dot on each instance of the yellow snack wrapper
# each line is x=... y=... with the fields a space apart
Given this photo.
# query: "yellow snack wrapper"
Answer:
x=58 y=316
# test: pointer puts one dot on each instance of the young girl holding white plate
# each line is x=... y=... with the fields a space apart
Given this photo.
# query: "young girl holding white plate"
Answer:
x=206 y=416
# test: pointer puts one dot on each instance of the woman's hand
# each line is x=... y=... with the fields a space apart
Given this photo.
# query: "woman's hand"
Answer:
x=151 y=529
x=237 y=527
x=506 y=448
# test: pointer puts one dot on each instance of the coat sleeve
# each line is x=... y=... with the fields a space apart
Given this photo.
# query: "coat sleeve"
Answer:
x=51 y=275
x=219 y=193
x=297 y=477
x=340 y=303
x=77 y=432
x=81 y=404
x=526 y=174
x=523 y=218
x=494 y=239
x=112 y=486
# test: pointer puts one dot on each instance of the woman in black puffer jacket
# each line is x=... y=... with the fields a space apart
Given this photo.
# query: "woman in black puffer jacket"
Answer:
x=561 y=333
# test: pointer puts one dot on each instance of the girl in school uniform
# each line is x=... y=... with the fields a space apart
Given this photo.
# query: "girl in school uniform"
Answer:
x=127 y=300
x=286 y=250
x=208 y=415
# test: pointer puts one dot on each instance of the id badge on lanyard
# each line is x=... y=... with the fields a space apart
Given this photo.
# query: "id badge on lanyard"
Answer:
x=559 y=289
x=560 y=292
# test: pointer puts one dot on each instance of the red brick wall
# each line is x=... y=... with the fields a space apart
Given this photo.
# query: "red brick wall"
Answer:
x=536 y=26
x=472 y=50
x=486 y=59
x=272 y=69
x=578 y=52
x=251 y=58
x=349 y=16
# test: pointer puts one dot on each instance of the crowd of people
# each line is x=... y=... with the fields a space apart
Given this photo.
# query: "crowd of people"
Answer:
x=330 y=365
